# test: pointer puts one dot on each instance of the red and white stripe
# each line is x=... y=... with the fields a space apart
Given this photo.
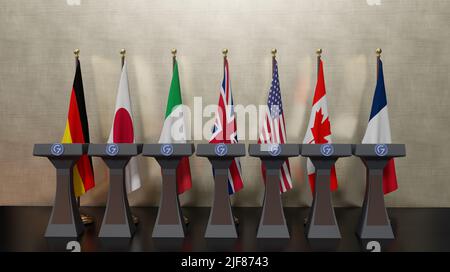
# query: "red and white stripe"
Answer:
x=273 y=131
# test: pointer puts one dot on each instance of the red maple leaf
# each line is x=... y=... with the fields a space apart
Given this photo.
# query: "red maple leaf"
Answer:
x=320 y=130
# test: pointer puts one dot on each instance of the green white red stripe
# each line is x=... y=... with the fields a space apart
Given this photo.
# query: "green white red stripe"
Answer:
x=174 y=129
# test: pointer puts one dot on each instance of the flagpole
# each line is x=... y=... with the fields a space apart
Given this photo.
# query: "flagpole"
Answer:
x=319 y=55
x=225 y=55
x=224 y=129
x=86 y=219
x=378 y=53
x=123 y=52
x=76 y=52
x=174 y=59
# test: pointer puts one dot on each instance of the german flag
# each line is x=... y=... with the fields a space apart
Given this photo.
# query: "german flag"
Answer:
x=77 y=131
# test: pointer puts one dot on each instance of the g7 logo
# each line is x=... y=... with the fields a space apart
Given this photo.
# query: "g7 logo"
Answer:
x=112 y=149
x=167 y=149
x=381 y=150
x=275 y=150
x=57 y=149
x=221 y=150
x=326 y=150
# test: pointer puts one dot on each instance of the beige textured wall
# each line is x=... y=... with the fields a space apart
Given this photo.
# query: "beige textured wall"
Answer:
x=36 y=73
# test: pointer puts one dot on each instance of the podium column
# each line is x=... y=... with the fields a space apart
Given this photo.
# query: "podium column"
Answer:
x=117 y=221
x=221 y=223
x=65 y=220
x=322 y=222
x=273 y=223
x=374 y=222
x=169 y=222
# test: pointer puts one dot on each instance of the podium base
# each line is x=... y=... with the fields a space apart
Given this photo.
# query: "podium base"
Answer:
x=221 y=231
x=324 y=245
x=117 y=230
x=63 y=230
x=323 y=232
x=274 y=231
x=376 y=232
x=168 y=231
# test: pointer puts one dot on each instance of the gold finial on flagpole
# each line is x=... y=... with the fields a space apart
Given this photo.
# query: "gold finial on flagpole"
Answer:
x=274 y=52
x=174 y=55
x=378 y=52
x=122 y=54
x=225 y=52
x=76 y=52
x=319 y=52
x=319 y=55
x=274 y=55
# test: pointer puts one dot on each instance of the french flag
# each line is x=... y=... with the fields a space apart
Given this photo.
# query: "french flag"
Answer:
x=378 y=130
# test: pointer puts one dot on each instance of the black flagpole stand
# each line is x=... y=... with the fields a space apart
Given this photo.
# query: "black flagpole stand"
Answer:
x=122 y=53
x=85 y=218
x=174 y=59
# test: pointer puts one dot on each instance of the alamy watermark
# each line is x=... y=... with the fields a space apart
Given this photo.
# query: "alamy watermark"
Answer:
x=197 y=123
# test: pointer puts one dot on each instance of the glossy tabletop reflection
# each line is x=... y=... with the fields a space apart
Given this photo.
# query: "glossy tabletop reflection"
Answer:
x=416 y=229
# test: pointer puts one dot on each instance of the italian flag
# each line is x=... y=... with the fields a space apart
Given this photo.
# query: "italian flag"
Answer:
x=174 y=129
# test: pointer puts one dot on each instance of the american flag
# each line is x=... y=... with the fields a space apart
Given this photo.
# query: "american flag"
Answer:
x=273 y=129
x=224 y=130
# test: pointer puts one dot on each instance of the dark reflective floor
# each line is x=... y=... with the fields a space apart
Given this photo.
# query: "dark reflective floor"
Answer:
x=22 y=229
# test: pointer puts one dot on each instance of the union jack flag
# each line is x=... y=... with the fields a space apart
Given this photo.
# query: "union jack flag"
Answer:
x=273 y=129
x=224 y=130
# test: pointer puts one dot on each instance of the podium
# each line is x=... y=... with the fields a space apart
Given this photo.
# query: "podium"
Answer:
x=374 y=222
x=322 y=220
x=65 y=220
x=273 y=223
x=169 y=222
x=117 y=221
x=221 y=223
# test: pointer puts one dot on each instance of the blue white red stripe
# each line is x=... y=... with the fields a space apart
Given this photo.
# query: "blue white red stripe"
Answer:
x=379 y=131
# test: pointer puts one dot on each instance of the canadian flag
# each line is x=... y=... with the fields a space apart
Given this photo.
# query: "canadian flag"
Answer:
x=122 y=130
x=319 y=128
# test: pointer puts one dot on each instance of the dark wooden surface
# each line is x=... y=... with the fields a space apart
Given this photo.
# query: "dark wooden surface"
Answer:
x=426 y=229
